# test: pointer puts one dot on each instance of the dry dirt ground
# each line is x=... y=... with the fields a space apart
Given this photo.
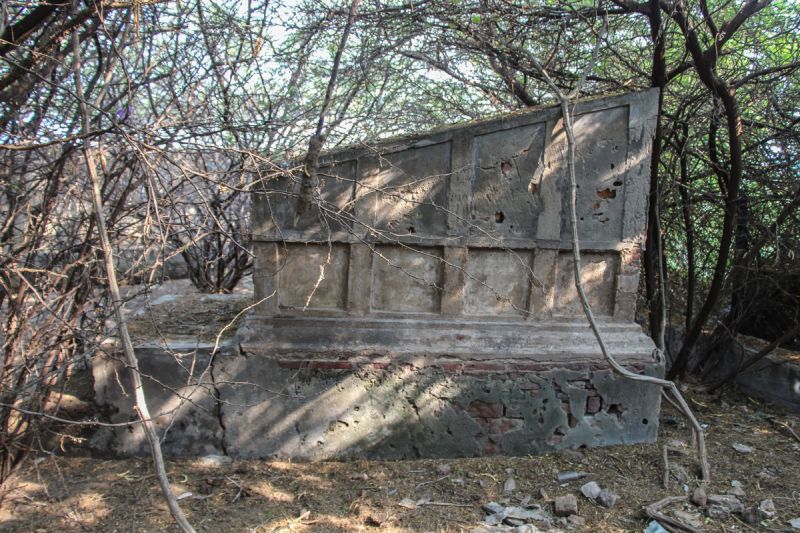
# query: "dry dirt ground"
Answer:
x=53 y=493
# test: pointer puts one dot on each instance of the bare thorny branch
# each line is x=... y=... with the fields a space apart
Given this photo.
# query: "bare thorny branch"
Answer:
x=116 y=301
x=62 y=290
x=670 y=386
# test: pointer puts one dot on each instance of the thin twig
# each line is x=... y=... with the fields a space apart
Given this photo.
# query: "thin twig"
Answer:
x=578 y=277
x=654 y=511
x=431 y=482
x=116 y=300
x=785 y=426
x=238 y=486
x=447 y=504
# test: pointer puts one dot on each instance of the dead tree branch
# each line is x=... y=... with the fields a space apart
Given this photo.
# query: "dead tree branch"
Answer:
x=564 y=99
x=311 y=162
x=116 y=299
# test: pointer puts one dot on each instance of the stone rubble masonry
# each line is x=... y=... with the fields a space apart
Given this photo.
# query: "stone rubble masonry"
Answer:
x=426 y=307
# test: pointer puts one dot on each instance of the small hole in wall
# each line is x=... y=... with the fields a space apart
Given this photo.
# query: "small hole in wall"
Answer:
x=618 y=183
x=616 y=410
x=506 y=167
x=411 y=229
x=645 y=421
x=499 y=217
x=612 y=166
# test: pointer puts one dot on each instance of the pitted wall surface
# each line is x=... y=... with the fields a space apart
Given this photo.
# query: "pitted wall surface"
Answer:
x=468 y=222
x=451 y=252
x=425 y=305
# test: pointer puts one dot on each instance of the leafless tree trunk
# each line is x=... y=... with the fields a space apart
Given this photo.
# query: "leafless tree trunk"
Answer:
x=576 y=261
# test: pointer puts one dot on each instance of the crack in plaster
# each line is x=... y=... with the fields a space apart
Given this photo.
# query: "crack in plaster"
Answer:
x=218 y=405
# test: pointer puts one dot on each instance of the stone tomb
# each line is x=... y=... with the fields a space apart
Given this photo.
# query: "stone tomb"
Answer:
x=424 y=306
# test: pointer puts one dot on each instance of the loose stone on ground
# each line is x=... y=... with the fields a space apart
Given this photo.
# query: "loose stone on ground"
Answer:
x=565 y=505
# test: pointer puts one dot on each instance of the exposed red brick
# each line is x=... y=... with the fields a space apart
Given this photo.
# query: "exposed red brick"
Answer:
x=451 y=367
x=481 y=409
x=530 y=367
x=498 y=426
x=482 y=422
x=480 y=368
x=633 y=255
x=580 y=367
x=489 y=449
x=381 y=366
x=593 y=405
x=329 y=365
x=316 y=364
x=572 y=421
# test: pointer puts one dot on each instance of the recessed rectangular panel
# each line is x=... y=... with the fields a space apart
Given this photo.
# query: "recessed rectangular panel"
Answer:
x=313 y=276
x=405 y=193
x=407 y=280
x=275 y=205
x=598 y=271
x=497 y=282
x=505 y=163
x=601 y=148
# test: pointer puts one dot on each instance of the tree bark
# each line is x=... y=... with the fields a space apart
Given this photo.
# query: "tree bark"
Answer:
x=721 y=89
x=653 y=263
x=116 y=301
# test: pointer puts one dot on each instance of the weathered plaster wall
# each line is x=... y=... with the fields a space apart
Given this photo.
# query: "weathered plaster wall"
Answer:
x=425 y=305
x=179 y=384
x=250 y=406
x=467 y=222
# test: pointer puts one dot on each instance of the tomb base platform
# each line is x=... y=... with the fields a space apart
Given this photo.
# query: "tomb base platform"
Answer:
x=447 y=390
x=527 y=391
